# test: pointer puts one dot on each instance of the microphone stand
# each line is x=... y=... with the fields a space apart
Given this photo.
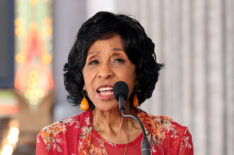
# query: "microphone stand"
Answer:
x=145 y=146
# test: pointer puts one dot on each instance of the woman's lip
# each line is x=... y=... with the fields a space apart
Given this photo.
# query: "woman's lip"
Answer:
x=103 y=86
x=105 y=97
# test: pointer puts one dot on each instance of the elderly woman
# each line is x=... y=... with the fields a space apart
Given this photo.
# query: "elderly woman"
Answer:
x=111 y=48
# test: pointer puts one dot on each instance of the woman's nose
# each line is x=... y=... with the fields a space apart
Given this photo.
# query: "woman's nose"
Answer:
x=105 y=71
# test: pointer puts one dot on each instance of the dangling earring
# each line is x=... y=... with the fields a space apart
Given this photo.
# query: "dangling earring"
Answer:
x=84 y=105
x=135 y=101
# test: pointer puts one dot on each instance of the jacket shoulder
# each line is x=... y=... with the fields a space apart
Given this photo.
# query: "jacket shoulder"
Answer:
x=54 y=135
x=163 y=130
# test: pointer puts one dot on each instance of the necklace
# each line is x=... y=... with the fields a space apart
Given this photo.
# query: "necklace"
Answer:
x=103 y=141
x=125 y=149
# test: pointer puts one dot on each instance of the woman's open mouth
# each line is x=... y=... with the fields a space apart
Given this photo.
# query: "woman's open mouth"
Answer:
x=105 y=92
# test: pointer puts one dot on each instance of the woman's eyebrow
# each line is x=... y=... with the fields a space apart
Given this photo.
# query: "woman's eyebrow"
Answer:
x=92 y=52
x=117 y=49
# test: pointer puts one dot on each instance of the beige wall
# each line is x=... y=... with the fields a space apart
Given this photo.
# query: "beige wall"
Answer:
x=194 y=39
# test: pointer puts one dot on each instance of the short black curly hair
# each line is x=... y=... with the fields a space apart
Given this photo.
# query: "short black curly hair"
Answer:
x=137 y=45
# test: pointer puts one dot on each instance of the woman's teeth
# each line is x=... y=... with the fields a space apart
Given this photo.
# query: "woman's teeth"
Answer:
x=105 y=91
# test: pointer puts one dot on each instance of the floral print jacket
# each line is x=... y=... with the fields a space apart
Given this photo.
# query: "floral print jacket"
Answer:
x=72 y=136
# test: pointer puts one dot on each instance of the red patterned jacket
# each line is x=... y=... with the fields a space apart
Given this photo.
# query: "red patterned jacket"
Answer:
x=75 y=136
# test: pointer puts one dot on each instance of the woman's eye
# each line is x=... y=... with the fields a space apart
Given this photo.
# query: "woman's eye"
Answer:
x=119 y=60
x=93 y=62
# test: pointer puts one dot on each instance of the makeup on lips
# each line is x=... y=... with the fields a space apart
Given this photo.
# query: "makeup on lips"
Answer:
x=105 y=92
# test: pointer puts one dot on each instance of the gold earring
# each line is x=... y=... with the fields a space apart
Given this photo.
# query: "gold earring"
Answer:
x=135 y=101
x=84 y=105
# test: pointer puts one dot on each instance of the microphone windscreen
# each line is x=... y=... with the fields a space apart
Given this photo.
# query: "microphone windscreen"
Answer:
x=120 y=88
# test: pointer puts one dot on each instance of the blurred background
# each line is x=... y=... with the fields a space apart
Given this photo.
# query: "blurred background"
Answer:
x=194 y=39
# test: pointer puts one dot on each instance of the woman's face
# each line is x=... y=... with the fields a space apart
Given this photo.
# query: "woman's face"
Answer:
x=107 y=63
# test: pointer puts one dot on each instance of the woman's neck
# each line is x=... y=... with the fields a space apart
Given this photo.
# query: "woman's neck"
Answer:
x=112 y=126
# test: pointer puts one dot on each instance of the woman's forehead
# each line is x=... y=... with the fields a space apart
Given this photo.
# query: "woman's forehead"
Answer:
x=113 y=43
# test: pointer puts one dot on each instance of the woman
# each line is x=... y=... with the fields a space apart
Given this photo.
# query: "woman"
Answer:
x=111 y=48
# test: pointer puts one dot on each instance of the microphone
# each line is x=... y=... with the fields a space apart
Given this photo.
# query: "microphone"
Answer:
x=121 y=94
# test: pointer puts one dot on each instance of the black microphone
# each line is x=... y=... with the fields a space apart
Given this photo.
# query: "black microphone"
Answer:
x=121 y=95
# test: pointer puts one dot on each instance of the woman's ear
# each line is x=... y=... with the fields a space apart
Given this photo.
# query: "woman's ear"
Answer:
x=136 y=80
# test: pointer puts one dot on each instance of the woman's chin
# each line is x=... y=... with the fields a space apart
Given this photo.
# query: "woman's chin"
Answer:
x=107 y=107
